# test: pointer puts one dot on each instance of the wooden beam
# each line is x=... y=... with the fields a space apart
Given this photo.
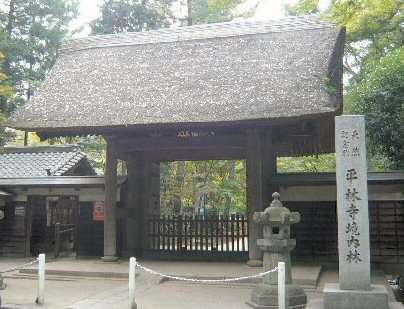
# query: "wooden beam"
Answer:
x=186 y=155
x=170 y=143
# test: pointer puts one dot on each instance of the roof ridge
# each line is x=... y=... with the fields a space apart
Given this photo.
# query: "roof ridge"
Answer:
x=195 y=32
x=39 y=149
x=69 y=163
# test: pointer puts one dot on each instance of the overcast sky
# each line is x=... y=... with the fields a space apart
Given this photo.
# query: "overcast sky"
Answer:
x=267 y=9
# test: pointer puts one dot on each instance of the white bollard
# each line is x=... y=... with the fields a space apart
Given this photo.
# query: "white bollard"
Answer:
x=132 y=283
x=281 y=286
x=41 y=279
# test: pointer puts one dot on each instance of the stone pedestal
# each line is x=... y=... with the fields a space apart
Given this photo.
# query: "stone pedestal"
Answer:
x=335 y=298
x=254 y=263
x=109 y=258
x=265 y=296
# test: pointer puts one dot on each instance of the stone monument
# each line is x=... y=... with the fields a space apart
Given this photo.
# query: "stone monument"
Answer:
x=354 y=290
x=276 y=246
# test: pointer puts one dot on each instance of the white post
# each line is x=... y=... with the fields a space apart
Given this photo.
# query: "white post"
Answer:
x=281 y=286
x=132 y=279
x=41 y=279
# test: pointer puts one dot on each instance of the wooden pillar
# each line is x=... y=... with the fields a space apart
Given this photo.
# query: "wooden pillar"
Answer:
x=110 y=203
x=141 y=200
x=154 y=207
x=254 y=194
x=131 y=208
x=268 y=168
x=28 y=227
x=145 y=202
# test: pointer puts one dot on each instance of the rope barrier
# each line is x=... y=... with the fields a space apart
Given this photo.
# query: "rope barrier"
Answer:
x=151 y=271
x=19 y=267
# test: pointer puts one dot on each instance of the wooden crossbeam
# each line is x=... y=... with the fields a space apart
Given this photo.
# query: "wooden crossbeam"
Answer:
x=171 y=143
x=186 y=154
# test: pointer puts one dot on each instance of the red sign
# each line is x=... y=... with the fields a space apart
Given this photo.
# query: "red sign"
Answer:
x=98 y=211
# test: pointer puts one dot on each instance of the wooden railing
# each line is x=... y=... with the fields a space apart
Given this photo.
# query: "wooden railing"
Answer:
x=198 y=234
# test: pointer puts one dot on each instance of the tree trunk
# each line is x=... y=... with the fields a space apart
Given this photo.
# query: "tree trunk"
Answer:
x=189 y=16
x=232 y=176
x=11 y=17
x=181 y=172
x=10 y=28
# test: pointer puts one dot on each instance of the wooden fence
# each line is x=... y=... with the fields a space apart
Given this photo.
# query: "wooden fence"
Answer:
x=317 y=233
x=185 y=236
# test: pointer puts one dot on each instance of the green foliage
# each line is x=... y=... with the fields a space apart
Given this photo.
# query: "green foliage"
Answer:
x=374 y=88
x=6 y=92
x=213 y=11
x=32 y=30
x=140 y=15
x=380 y=96
x=132 y=15
x=30 y=33
x=93 y=146
x=374 y=28
x=218 y=186
x=303 y=7
x=309 y=164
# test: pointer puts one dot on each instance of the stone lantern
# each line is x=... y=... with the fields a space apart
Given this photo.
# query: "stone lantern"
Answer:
x=276 y=246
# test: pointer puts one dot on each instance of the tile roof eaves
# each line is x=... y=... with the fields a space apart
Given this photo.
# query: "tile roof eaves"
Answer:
x=69 y=164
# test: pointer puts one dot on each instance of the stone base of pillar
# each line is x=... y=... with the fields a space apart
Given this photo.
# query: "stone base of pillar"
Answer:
x=375 y=298
x=134 y=306
x=265 y=296
x=254 y=263
x=109 y=258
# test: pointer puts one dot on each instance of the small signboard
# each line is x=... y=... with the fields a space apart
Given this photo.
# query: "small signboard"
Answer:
x=19 y=211
x=98 y=211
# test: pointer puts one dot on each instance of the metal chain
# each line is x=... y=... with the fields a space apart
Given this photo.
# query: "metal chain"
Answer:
x=19 y=267
x=205 y=280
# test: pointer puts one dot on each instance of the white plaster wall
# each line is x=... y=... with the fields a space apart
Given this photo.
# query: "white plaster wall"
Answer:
x=84 y=194
x=321 y=193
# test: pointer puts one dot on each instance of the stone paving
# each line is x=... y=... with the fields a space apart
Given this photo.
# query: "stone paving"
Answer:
x=305 y=274
x=78 y=292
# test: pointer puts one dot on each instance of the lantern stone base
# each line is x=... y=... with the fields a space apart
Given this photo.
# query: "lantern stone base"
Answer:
x=254 y=263
x=266 y=297
x=375 y=298
x=109 y=258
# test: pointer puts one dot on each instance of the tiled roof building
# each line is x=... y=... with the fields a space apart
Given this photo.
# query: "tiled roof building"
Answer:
x=43 y=161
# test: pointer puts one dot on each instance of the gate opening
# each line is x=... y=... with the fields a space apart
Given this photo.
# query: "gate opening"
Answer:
x=202 y=211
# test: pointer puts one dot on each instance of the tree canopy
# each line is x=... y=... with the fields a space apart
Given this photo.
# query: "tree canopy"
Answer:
x=6 y=92
x=30 y=32
x=140 y=15
x=373 y=64
x=132 y=16
x=212 y=11
x=380 y=96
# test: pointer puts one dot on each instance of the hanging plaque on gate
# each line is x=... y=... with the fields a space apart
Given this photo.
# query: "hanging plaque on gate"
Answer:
x=98 y=211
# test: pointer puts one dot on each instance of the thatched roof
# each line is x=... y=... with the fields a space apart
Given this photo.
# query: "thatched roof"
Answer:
x=217 y=73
